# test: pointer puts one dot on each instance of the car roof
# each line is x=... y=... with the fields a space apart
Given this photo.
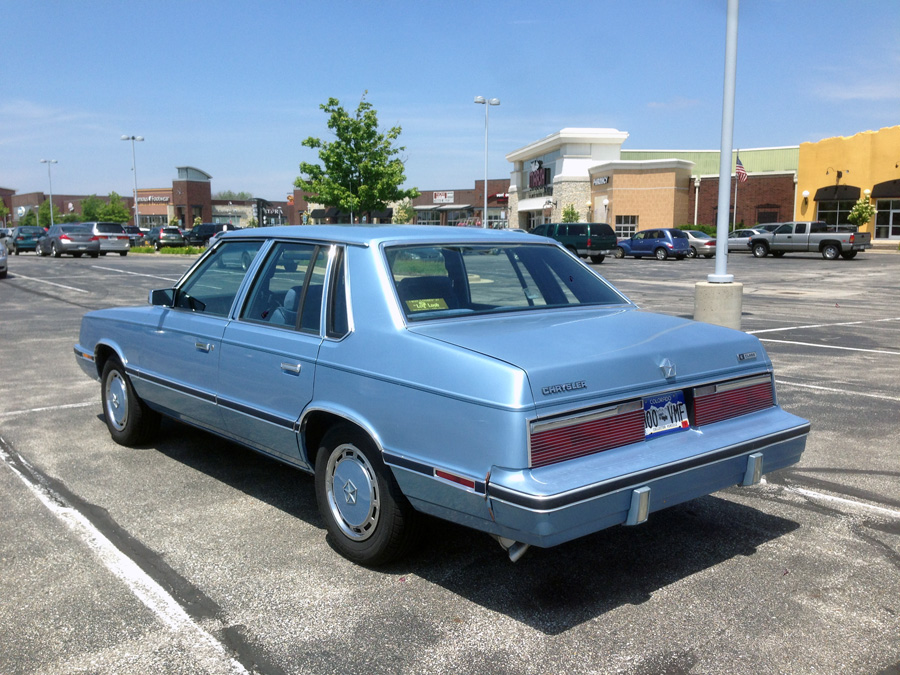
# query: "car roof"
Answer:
x=375 y=235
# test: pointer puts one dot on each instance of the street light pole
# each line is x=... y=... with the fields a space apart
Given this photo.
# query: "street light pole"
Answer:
x=487 y=103
x=134 y=172
x=48 y=162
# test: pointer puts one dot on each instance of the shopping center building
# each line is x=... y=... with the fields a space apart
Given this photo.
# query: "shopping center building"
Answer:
x=588 y=170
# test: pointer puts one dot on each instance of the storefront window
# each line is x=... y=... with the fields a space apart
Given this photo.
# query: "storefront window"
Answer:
x=431 y=217
x=626 y=225
x=835 y=213
x=536 y=218
x=887 y=219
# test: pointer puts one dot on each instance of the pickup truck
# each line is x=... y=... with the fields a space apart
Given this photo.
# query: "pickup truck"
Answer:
x=805 y=237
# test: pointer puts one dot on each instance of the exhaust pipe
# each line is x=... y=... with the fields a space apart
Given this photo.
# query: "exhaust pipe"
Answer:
x=515 y=549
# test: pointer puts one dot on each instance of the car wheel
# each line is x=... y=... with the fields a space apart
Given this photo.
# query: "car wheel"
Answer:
x=102 y=252
x=597 y=259
x=123 y=253
x=620 y=252
x=39 y=252
x=55 y=252
x=15 y=251
x=661 y=253
x=831 y=251
x=95 y=255
x=76 y=255
x=680 y=257
x=368 y=518
x=777 y=254
x=692 y=253
x=849 y=255
x=760 y=250
x=129 y=420
x=158 y=247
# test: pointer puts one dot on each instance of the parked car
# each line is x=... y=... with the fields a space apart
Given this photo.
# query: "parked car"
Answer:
x=658 y=243
x=739 y=240
x=113 y=237
x=158 y=237
x=4 y=261
x=75 y=239
x=701 y=244
x=588 y=240
x=503 y=385
x=24 y=238
x=200 y=234
x=830 y=241
x=135 y=235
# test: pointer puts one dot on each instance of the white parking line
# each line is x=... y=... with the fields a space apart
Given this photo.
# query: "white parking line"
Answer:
x=821 y=325
x=136 y=274
x=52 y=407
x=849 y=349
x=780 y=382
x=44 y=281
x=205 y=648
x=857 y=506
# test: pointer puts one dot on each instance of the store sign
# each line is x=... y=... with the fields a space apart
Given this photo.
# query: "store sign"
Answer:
x=602 y=180
x=442 y=198
x=153 y=199
x=538 y=177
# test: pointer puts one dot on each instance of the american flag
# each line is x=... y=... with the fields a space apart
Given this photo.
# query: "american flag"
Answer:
x=740 y=171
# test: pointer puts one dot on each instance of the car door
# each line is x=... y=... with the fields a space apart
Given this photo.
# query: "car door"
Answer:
x=783 y=238
x=179 y=358
x=268 y=357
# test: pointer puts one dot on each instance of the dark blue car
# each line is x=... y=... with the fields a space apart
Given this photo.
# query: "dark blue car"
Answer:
x=660 y=243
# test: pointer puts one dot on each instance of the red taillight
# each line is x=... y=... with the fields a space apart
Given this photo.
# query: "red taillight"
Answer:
x=722 y=401
x=95 y=238
x=852 y=238
x=64 y=237
x=589 y=242
x=560 y=440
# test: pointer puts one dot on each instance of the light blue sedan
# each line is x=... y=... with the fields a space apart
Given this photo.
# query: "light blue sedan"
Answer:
x=480 y=376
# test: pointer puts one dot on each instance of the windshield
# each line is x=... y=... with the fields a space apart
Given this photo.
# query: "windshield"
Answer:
x=31 y=230
x=76 y=229
x=434 y=281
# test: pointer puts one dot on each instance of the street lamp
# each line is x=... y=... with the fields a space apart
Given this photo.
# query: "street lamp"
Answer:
x=487 y=103
x=48 y=162
x=134 y=172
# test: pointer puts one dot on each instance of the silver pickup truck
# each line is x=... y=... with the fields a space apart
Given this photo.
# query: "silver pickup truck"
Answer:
x=811 y=237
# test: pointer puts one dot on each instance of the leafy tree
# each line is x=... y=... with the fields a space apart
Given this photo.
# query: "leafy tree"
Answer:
x=862 y=212
x=29 y=218
x=115 y=211
x=360 y=170
x=403 y=213
x=231 y=194
x=570 y=214
x=91 y=207
x=4 y=212
x=44 y=214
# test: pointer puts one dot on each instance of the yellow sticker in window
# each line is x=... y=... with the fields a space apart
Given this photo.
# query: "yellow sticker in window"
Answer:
x=427 y=305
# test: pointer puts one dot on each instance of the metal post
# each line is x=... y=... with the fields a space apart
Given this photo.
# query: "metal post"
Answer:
x=731 y=29
x=48 y=162
x=487 y=103
x=137 y=222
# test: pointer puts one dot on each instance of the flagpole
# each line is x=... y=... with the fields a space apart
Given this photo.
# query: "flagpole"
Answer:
x=736 y=181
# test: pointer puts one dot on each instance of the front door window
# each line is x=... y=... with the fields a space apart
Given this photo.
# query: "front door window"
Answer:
x=887 y=219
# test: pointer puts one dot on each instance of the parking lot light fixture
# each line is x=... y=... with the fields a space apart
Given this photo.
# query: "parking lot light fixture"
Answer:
x=134 y=173
x=48 y=162
x=487 y=103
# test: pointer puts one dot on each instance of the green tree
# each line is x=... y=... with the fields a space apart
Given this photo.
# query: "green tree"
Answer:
x=862 y=212
x=91 y=207
x=44 y=214
x=29 y=218
x=360 y=170
x=569 y=214
x=115 y=210
x=4 y=212
x=403 y=213
x=231 y=194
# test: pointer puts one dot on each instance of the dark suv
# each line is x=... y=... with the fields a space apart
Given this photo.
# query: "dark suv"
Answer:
x=200 y=234
x=588 y=240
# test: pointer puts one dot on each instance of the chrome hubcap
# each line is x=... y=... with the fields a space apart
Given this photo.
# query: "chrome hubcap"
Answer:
x=352 y=491
x=116 y=401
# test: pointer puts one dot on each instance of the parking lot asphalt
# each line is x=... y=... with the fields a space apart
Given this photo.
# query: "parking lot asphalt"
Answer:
x=194 y=555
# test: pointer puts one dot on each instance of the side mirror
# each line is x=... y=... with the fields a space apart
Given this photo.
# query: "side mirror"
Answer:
x=162 y=297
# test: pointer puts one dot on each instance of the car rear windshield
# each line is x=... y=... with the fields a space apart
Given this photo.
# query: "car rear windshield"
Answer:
x=109 y=228
x=31 y=230
x=76 y=229
x=679 y=234
x=171 y=230
x=449 y=280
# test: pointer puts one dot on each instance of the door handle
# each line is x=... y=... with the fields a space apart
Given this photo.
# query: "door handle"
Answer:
x=204 y=347
x=291 y=367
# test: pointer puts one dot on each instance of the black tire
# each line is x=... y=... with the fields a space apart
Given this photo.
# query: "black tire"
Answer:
x=123 y=253
x=158 y=247
x=102 y=252
x=620 y=252
x=95 y=255
x=39 y=252
x=597 y=259
x=129 y=420
x=369 y=520
x=849 y=255
x=692 y=253
x=16 y=251
x=831 y=251
x=777 y=254
x=661 y=253
x=55 y=252
x=680 y=257
x=760 y=250
x=76 y=255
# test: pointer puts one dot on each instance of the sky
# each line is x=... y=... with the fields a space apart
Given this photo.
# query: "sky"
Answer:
x=234 y=87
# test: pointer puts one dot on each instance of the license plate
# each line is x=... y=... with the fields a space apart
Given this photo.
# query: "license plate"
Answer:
x=665 y=413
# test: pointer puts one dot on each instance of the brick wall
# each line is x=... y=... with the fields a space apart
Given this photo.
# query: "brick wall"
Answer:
x=756 y=196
